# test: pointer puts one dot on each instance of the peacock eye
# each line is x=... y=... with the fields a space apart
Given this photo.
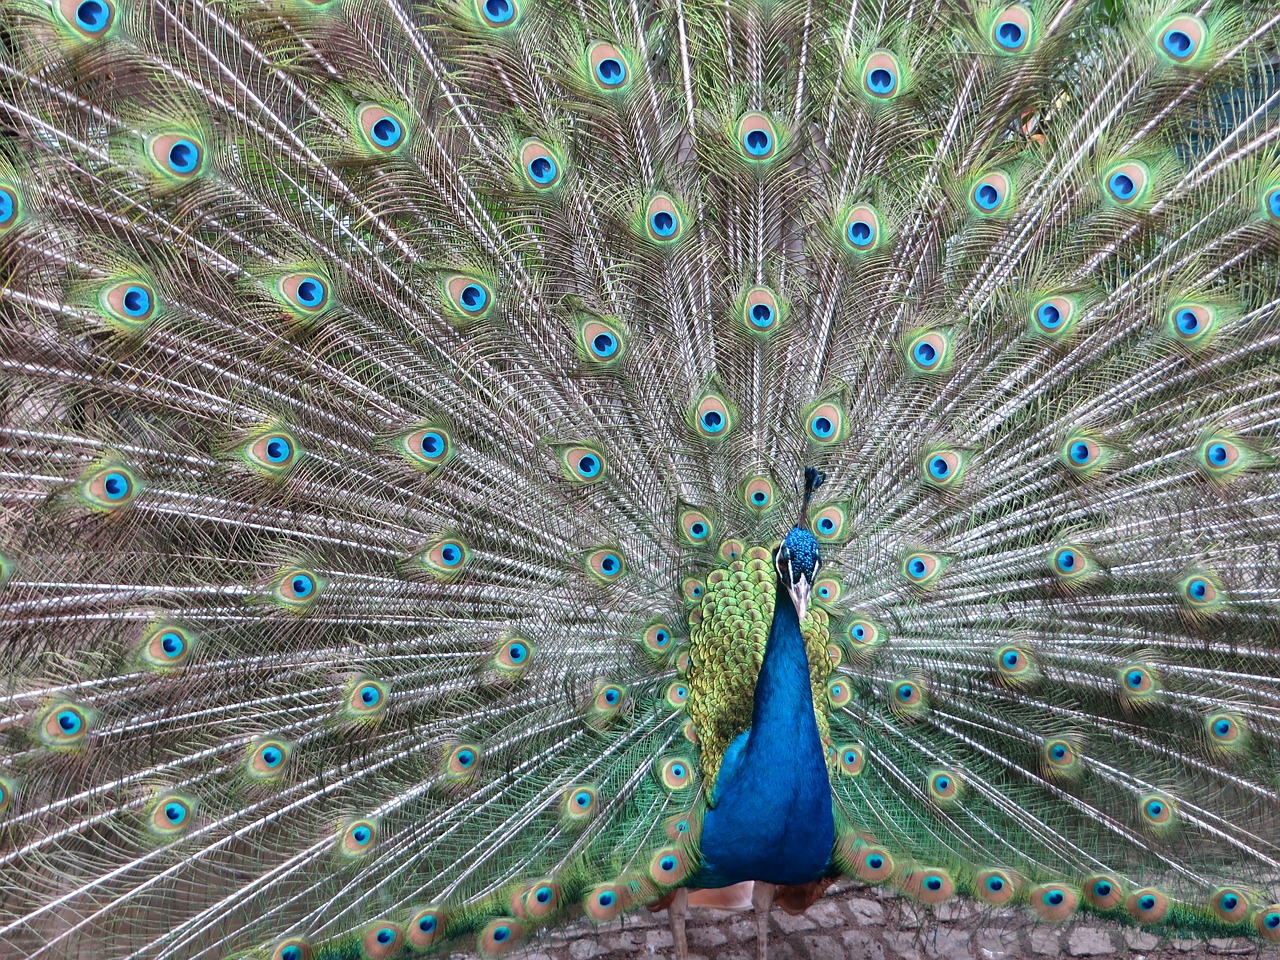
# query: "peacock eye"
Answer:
x=381 y=130
x=761 y=311
x=541 y=168
x=1011 y=31
x=608 y=66
x=664 y=220
x=882 y=75
x=427 y=447
x=468 y=297
x=177 y=157
x=757 y=138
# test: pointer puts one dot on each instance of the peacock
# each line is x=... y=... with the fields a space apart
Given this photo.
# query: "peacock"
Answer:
x=467 y=465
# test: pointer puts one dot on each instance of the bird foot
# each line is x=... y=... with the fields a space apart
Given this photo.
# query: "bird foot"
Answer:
x=762 y=900
x=676 y=911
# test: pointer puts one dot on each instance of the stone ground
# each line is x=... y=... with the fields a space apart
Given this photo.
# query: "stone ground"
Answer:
x=861 y=923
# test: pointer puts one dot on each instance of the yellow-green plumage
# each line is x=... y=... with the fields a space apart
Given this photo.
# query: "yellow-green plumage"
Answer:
x=727 y=634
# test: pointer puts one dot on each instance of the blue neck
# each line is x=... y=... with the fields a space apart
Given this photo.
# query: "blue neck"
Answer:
x=772 y=818
x=782 y=724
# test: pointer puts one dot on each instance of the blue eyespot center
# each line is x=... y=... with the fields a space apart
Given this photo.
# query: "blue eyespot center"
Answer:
x=184 y=156
x=1178 y=43
x=610 y=564
x=1188 y=322
x=370 y=695
x=611 y=695
x=939 y=467
x=1122 y=185
x=917 y=567
x=906 y=691
x=588 y=466
x=1273 y=203
x=677 y=770
x=925 y=353
x=387 y=132
x=1271 y=921
x=1059 y=752
x=385 y=935
x=116 y=486
x=1049 y=316
x=498 y=11
x=302 y=586
x=291 y=952
x=987 y=196
x=933 y=883
x=1217 y=454
x=501 y=933
x=757 y=142
x=543 y=895
x=1197 y=589
x=542 y=169
x=1054 y=898
x=137 y=301
x=1009 y=35
x=92 y=16
x=762 y=315
x=466 y=758
x=875 y=861
x=1154 y=809
x=942 y=783
x=1080 y=452
x=517 y=652
x=450 y=554
x=1102 y=889
x=427 y=924
x=310 y=292
x=1229 y=901
x=860 y=233
x=606 y=898
x=823 y=427
x=1135 y=678
x=713 y=421
x=1066 y=560
x=582 y=799
x=661 y=638
x=698 y=530
x=663 y=223
x=881 y=81
x=272 y=756
x=995 y=884
x=473 y=297
x=604 y=345
x=172 y=644
x=361 y=835
x=611 y=71
x=667 y=863
x=432 y=443
x=8 y=205
x=1222 y=727
x=278 y=449
x=69 y=721
x=1010 y=659
x=1147 y=902
x=760 y=497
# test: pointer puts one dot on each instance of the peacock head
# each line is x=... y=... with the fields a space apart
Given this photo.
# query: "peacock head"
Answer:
x=798 y=559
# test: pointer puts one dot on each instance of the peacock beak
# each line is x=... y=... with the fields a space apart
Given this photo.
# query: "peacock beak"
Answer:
x=800 y=589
